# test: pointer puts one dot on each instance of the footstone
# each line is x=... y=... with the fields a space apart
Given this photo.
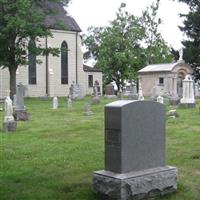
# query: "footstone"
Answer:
x=135 y=185
x=9 y=126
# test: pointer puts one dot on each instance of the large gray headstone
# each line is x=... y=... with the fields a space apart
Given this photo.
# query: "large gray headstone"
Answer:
x=20 y=97
x=134 y=135
x=134 y=152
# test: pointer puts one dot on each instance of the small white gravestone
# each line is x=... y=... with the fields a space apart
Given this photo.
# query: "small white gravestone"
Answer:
x=9 y=124
x=55 y=102
x=8 y=110
x=87 y=109
x=188 y=92
x=69 y=103
x=140 y=94
x=160 y=99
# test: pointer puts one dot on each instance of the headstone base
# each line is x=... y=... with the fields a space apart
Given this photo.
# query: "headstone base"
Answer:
x=9 y=126
x=174 y=101
x=21 y=115
x=110 y=96
x=135 y=185
x=187 y=105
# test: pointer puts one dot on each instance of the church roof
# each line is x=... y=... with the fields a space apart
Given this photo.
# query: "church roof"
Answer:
x=60 y=19
x=87 y=68
x=168 y=67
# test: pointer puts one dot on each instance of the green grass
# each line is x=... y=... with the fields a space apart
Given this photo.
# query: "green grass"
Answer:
x=53 y=155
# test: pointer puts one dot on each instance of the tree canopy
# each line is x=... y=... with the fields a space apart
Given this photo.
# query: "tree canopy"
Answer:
x=20 y=22
x=127 y=44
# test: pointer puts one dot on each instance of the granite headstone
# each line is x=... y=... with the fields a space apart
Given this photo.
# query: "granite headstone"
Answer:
x=134 y=152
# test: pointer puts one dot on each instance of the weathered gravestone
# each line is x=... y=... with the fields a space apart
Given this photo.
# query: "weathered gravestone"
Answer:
x=95 y=98
x=20 y=113
x=134 y=152
x=55 y=102
x=9 y=124
x=188 y=99
x=110 y=91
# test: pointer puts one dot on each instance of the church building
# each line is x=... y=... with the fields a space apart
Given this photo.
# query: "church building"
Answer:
x=54 y=75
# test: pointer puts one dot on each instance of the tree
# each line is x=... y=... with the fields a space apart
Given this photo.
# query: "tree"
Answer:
x=191 y=27
x=20 y=22
x=125 y=46
x=117 y=47
x=156 y=49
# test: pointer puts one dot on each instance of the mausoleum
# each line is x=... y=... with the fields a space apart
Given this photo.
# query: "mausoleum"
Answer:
x=166 y=79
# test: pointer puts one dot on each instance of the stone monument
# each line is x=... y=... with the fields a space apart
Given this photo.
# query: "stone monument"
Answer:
x=135 y=165
x=75 y=91
x=160 y=99
x=140 y=94
x=9 y=124
x=20 y=113
x=55 y=102
x=95 y=98
x=69 y=103
x=110 y=91
x=87 y=109
x=188 y=99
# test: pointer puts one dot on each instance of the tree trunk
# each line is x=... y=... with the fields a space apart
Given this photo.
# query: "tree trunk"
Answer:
x=12 y=71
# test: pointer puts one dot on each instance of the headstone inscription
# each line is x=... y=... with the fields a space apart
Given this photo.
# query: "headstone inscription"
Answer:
x=134 y=152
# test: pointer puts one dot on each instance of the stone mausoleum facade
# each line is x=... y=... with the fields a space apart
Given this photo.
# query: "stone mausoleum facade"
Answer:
x=164 y=79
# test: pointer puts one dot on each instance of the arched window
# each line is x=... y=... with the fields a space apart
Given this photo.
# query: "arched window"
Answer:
x=64 y=63
x=31 y=64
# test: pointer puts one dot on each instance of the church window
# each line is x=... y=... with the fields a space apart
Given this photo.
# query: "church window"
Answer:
x=90 y=80
x=64 y=63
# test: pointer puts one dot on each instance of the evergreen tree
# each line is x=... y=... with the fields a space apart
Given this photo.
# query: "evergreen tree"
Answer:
x=192 y=29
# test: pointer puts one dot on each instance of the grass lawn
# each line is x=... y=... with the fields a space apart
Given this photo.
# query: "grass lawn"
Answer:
x=53 y=155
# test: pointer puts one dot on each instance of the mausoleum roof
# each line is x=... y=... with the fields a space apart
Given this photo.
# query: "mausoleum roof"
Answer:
x=166 y=67
x=158 y=67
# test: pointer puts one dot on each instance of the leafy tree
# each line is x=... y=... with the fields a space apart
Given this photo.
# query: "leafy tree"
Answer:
x=20 y=22
x=117 y=47
x=125 y=46
x=156 y=49
x=191 y=28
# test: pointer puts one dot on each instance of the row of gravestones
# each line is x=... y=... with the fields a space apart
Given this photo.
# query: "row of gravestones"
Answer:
x=188 y=99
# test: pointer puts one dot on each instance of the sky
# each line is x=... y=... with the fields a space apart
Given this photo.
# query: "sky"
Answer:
x=99 y=12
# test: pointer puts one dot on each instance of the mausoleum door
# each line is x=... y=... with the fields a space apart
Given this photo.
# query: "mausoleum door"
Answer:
x=180 y=79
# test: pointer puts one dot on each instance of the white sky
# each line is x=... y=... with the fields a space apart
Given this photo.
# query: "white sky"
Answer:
x=99 y=12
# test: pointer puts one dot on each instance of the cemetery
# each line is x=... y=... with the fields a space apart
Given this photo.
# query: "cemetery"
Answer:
x=111 y=114
x=57 y=153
